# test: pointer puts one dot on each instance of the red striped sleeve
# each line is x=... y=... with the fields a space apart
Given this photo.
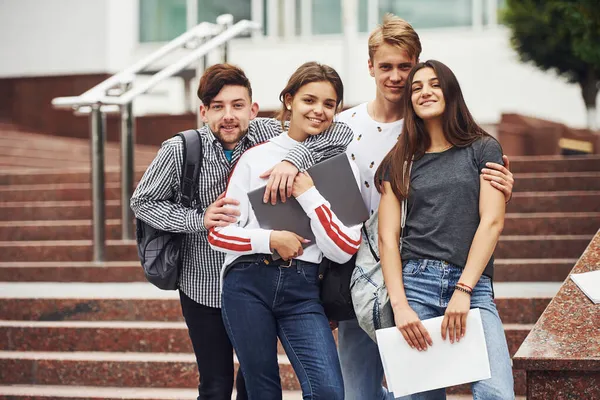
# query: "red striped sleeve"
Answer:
x=228 y=242
x=335 y=234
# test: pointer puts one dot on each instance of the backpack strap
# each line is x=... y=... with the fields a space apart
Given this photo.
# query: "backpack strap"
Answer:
x=373 y=253
x=192 y=163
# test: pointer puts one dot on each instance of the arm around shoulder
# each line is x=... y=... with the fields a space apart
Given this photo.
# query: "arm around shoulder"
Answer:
x=333 y=141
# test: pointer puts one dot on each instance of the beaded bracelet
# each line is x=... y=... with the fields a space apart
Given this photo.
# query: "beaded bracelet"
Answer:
x=465 y=286
x=465 y=290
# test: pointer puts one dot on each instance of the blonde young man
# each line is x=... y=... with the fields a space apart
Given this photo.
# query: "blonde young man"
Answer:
x=394 y=48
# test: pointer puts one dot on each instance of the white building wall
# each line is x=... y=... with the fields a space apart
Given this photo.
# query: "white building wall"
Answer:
x=52 y=37
x=90 y=36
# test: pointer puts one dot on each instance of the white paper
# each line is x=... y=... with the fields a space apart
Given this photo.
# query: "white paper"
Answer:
x=589 y=283
x=409 y=371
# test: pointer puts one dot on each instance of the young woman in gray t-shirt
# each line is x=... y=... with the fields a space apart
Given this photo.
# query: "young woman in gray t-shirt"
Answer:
x=453 y=221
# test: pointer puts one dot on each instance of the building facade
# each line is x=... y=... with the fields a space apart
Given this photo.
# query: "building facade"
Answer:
x=69 y=37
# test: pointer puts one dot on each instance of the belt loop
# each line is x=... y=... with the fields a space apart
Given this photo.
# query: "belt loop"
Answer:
x=290 y=263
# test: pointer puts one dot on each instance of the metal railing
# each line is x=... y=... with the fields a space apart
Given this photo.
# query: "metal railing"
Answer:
x=118 y=93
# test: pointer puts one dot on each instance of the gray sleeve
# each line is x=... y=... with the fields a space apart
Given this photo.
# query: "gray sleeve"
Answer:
x=489 y=151
x=153 y=199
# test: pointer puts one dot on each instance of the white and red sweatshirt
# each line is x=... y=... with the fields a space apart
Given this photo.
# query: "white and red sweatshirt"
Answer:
x=334 y=240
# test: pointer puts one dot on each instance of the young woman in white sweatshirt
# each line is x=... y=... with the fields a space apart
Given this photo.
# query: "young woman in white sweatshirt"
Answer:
x=265 y=299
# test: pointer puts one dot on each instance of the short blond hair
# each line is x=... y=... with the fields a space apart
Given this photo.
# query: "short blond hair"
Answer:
x=396 y=32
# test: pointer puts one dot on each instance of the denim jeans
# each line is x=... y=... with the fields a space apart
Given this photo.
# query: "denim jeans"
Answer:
x=361 y=364
x=264 y=302
x=429 y=285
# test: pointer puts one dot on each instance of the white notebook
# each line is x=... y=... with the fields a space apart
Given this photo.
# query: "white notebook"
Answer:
x=589 y=283
x=409 y=371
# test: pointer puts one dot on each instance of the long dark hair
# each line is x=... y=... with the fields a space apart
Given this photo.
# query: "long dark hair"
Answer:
x=307 y=73
x=460 y=129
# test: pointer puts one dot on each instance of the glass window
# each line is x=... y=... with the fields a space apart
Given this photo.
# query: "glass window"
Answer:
x=326 y=17
x=164 y=20
x=161 y=20
x=363 y=16
x=209 y=10
x=429 y=13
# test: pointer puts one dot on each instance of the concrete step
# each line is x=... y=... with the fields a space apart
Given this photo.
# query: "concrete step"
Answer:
x=81 y=174
x=544 y=182
x=45 y=392
x=531 y=164
x=132 y=336
x=558 y=201
x=530 y=202
x=546 y=246
x=74 y=155
x=538 y=182
x=542 y=246
x=76 y=174
x=66 y=250
x=517 y=302
x=114 y=369
x=505 y=270
x=531 y=270
x=116 y=271
x=55 y=229
x=27 y=162
x=515 y=224
x=55 y=192
x=55 y=210
x=573 y=223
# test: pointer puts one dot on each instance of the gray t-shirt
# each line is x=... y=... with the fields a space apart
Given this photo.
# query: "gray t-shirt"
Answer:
x=443 y=203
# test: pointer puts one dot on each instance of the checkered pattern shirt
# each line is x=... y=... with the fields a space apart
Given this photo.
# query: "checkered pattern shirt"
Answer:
x=157 y=196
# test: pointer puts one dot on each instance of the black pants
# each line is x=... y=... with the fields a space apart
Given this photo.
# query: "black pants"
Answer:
x=214 y=353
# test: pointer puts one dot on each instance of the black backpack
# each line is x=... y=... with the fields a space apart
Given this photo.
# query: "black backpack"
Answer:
x=160 y=251
x=335 y=289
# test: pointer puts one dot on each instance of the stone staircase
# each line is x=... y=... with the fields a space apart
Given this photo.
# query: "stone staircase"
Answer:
x=74 y=329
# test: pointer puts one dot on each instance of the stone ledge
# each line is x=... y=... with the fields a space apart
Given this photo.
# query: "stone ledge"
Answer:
x=562 y=353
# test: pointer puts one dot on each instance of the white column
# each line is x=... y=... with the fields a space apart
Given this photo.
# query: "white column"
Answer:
x=372 y=14
x=256 y=14
x=492 y=13
x=477 y=14
x=289 y=19
x=350 y=31
x=306 y=17
x=191 y=14
x=272 y=18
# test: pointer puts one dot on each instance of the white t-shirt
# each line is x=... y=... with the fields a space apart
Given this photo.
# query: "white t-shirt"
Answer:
x=372 y=141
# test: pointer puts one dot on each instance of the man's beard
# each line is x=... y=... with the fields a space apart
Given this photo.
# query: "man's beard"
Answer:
x=228 y=138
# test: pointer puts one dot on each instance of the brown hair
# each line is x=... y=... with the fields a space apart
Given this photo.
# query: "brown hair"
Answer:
x=396 y=32
x=217 y=76
x=307 y=73
x=460 y=129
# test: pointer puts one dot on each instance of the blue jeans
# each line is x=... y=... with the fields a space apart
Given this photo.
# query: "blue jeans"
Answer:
x=429 y=285
x=361 y=364
x=264 y=302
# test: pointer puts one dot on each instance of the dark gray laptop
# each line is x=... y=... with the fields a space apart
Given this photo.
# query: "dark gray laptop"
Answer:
x=334 y=180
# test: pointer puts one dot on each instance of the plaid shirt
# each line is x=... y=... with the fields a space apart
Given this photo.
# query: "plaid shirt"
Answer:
x=157 y=196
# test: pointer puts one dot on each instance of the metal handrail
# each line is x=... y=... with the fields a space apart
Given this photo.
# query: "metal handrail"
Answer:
x=169 y=71
x=95 y=94
x=97 y=102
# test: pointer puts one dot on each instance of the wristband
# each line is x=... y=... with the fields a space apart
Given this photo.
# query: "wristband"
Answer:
x=465 y=290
